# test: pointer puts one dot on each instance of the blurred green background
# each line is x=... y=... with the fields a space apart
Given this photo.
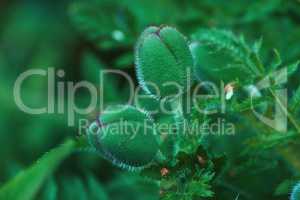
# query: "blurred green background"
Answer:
x=82 y=37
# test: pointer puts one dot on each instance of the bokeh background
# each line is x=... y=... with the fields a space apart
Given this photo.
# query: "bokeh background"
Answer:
x=83 y=37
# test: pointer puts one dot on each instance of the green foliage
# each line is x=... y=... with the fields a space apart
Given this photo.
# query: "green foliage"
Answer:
x=104 y=22
x=130 y=187
x=187 y=177
x=27 y=183
x=221 y=55
x=73 y=188
x=92 y=69
x=236 y=43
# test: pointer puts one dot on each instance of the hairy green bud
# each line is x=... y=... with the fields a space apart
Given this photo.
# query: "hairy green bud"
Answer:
x=163 y=61
x=126 y=136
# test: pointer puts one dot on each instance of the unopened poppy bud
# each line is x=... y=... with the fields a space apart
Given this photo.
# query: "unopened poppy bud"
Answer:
x=126 y=136
x=163 y=62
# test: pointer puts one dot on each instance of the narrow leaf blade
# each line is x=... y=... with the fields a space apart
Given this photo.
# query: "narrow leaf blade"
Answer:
x=27 y=183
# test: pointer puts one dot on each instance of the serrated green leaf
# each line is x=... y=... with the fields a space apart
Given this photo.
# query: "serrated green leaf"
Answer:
x=225 y=56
